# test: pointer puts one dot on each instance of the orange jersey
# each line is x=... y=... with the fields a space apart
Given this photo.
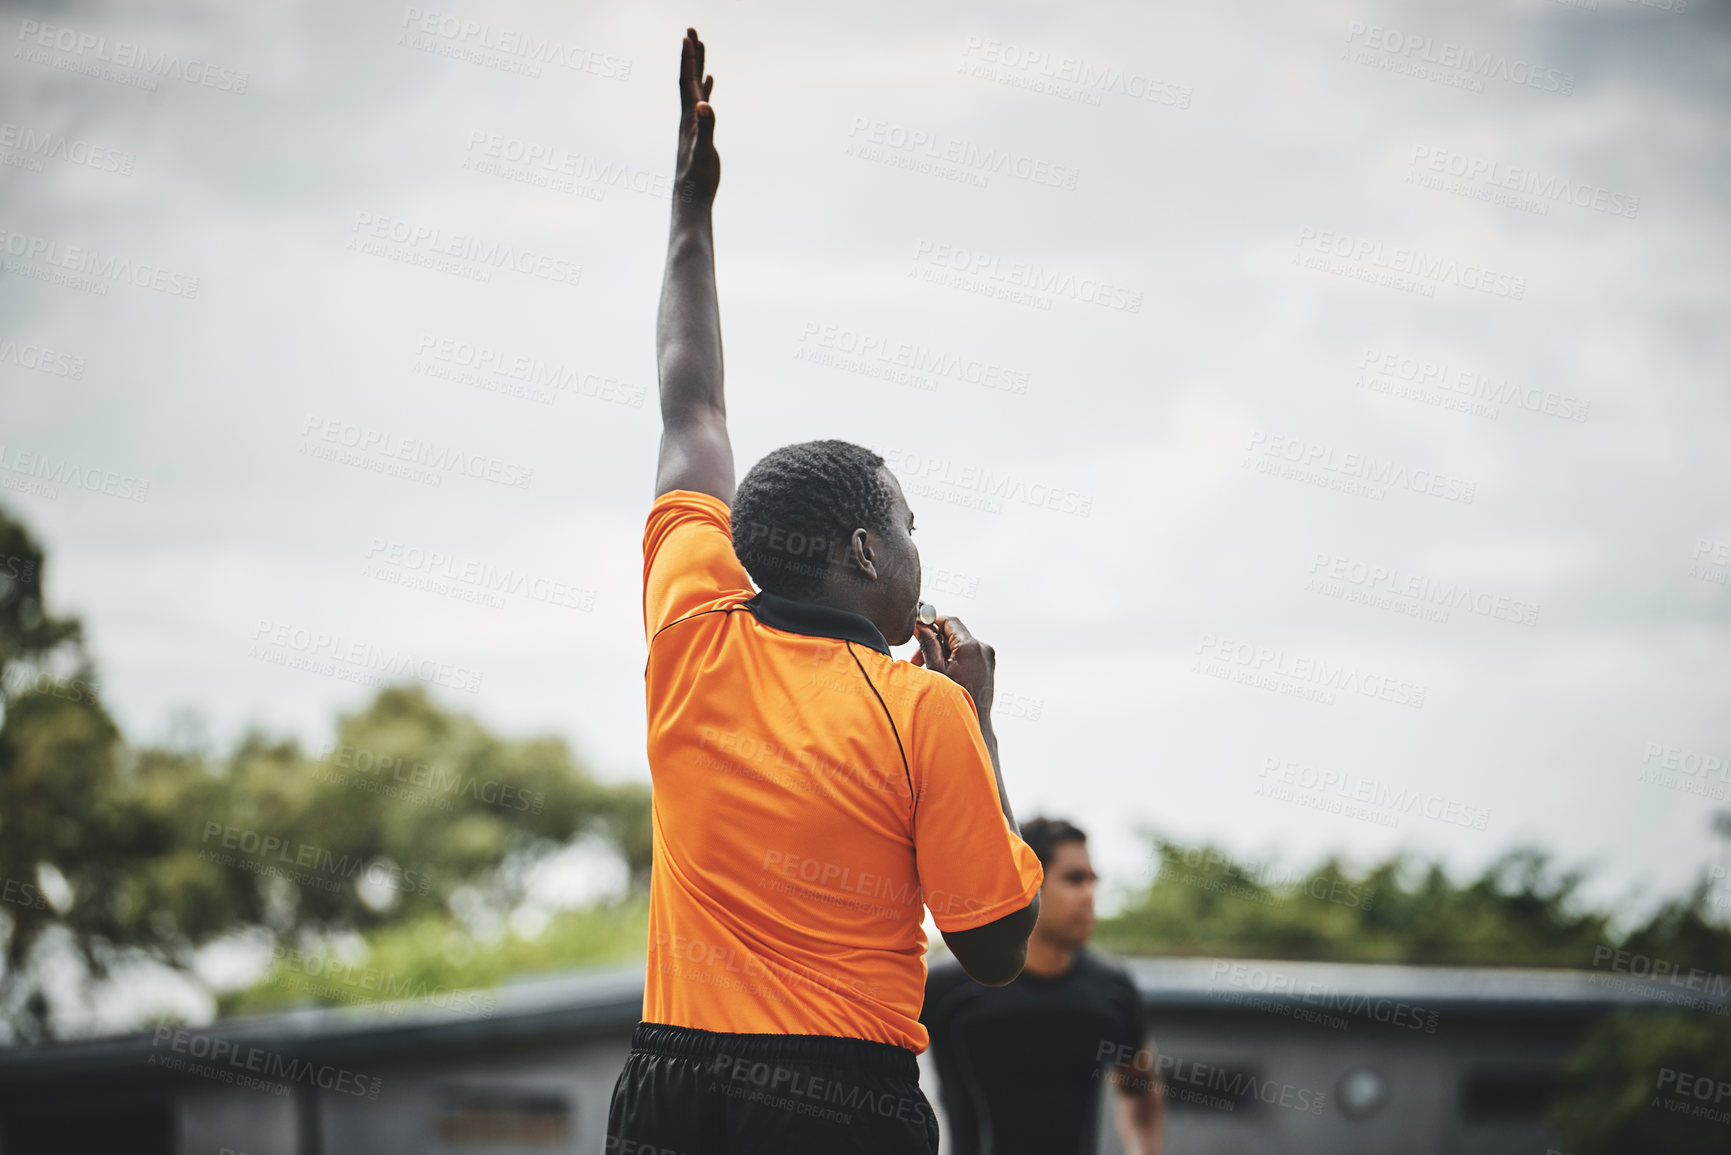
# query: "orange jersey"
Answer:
x=812 y=796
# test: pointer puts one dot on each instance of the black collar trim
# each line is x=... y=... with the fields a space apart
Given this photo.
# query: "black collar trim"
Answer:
x=781 y=613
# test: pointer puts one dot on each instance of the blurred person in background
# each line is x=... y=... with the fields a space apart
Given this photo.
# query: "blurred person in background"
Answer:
x=813 y=795
x=1019 y=1066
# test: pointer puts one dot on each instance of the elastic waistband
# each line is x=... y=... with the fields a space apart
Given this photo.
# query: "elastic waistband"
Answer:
x=820 y=1050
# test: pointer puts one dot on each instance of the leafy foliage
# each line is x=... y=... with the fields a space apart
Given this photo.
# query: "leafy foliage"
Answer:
x=58 y=763
x=123 y=855
x=1658 y=1081
x=1201 y=902
x=1644 y=1082
x=436 y=958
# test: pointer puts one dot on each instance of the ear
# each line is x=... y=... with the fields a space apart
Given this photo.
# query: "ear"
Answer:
x=860 y=549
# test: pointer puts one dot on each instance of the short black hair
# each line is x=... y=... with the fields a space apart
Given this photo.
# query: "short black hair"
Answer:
x=798 y=506
x=1043 y=835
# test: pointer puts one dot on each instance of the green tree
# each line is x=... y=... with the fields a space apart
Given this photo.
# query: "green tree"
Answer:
x=436 y=958
x=1201 y=901
x=124 y=856
x=1642 y=1082
x=59 y=761
x=1645 y=1080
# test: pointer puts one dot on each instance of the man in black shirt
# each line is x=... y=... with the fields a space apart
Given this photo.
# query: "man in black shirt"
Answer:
x=1019 y=1066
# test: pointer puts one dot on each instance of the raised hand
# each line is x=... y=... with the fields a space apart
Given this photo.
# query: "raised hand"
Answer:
x=697 y=169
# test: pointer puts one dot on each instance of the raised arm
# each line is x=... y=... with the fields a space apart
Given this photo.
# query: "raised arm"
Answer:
x=695 y=451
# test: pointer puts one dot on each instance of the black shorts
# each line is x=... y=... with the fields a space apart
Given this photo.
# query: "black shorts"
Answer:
x=691 y=1092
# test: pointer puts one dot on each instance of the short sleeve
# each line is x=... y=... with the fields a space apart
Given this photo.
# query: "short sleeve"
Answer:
x=973 y=868
x=688 y=558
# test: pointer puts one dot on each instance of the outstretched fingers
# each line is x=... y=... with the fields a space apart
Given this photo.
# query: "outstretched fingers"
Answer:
x=697 y=169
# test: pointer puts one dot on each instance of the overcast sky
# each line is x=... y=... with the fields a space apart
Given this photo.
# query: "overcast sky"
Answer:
x=1220 y=349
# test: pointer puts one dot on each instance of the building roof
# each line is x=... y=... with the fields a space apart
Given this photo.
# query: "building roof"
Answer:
x=1178 y=983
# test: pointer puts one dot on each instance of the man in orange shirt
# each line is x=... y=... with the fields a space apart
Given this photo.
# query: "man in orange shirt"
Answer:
x=813 y=795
